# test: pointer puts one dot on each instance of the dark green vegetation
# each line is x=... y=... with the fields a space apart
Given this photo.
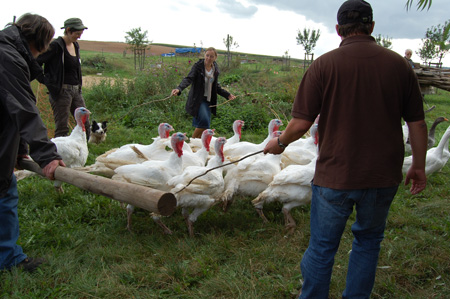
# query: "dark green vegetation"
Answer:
x=233 y=254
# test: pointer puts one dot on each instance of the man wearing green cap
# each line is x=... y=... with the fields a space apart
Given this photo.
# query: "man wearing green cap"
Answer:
x=62 y=75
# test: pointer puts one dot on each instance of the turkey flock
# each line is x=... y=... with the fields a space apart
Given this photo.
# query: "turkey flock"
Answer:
x=211 y=170
x=202 y=172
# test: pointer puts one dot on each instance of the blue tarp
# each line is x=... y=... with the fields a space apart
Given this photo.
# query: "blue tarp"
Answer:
x=168 y=54
x=188 y=50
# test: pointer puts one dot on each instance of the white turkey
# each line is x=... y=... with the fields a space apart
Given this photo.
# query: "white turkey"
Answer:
x=250 y=176
x=301 y=151
x=196 y=144
x=73 y=148
x=237 y=129
x=243 y=148
x=291 y=187
x=436 y=157
x=137 y=153
x=131 y=153
x=154 y=174
x=201 y=193
x=236 y=138
x=199 y=157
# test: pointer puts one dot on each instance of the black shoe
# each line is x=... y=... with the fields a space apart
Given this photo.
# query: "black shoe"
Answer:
x=30 y=264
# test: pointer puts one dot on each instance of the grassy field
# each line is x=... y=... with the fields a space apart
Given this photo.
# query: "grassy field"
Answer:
x=234 y=254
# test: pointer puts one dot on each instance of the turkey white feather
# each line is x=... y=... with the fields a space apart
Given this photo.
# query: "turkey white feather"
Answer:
x=73 y=148
x=198 y=188
x=132 y=153
x=153 y=173
x=199 y=157
x=244 y=148
x=291 y=187
x=301 y=151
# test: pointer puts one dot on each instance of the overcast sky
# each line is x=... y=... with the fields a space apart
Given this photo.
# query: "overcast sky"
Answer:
x=258 y=26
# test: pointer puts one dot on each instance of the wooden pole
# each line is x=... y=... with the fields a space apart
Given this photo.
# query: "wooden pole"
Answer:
x=162 y=203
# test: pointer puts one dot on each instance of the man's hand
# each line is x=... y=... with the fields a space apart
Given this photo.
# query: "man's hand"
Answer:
x=49 y=169
x=418 y=178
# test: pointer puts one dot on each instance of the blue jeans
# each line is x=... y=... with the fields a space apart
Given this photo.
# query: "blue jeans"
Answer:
x=330 y=209
x=11 y=254
x=203 y=119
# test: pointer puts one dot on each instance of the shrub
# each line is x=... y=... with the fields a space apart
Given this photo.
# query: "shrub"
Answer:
x=229 y=79
x=93 y=65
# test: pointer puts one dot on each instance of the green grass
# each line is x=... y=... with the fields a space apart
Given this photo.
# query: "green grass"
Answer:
x=234 y=254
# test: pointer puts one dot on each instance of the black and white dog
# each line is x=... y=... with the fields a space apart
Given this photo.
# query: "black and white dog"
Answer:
x=98 y=132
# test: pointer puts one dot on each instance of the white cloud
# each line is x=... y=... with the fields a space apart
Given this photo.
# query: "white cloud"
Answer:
x=236 y=9
x=258 y=26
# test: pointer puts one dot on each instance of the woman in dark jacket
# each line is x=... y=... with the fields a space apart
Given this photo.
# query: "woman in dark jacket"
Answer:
x=62 y=76
x=21 y=126
x=205 y=86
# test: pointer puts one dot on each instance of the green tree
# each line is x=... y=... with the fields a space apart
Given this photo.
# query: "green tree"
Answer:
x=436 y=43
x=229 y=44
x=383 y=41
x=428 y=51
x=137 y=39
x=308 y=39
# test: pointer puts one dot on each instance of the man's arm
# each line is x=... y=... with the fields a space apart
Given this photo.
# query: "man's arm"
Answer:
x=418 y=137
x=296 y=128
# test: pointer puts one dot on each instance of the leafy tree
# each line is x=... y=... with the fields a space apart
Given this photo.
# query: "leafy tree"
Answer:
x=421 y=4
x=137 y=39
x=428 y=51
x=436 y=43
x=308 y=39
x=383 y=41
x=229 y=44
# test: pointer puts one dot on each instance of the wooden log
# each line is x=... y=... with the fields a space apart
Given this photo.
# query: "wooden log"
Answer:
x=162 y=203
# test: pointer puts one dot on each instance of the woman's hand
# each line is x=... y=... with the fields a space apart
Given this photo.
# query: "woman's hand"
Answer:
x=231 y=97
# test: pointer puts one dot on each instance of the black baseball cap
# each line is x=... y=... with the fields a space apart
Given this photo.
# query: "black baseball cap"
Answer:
x=362 y=7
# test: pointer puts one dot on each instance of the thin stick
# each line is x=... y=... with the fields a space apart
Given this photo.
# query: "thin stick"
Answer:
x=224 y=102
x=231 y=100
x=146 y=103
x=255 y=153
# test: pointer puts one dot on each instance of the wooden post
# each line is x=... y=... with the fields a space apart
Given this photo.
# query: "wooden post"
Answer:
x=162 y=203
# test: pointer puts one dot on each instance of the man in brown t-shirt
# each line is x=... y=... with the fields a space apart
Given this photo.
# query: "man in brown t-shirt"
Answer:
x=361 y=91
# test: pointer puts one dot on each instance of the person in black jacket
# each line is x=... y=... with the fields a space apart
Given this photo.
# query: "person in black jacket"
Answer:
x=21 y=126
x=205 y=86
x=62 y=76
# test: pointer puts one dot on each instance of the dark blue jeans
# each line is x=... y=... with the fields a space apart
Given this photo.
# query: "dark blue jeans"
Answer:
x=330 y=209
x=11 y=254
x=203 y=119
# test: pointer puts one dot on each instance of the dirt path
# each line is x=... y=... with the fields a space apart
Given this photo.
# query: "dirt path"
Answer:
x=90 y=80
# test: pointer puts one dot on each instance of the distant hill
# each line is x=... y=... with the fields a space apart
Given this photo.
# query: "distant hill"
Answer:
x=155 y=49
x=118 y=47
